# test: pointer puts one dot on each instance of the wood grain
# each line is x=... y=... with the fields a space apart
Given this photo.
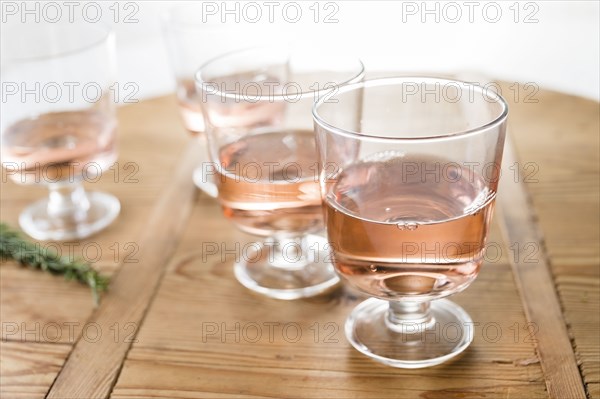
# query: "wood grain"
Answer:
x=178 y=355
x=559 y=134
x=28 y=296
x=131 y=291
x=559 y=137
x=536 y=287
x=34 y=304
x=28 y=368
x=563 y=146
x=579 y=290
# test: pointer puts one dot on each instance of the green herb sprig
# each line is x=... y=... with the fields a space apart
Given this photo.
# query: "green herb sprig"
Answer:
x=13 y=246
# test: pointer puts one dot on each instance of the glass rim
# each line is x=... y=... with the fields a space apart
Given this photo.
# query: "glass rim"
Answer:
x=107 y=35
x=395 y=80
x=355 y=77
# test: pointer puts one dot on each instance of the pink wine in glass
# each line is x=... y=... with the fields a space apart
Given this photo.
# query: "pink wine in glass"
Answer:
x=237 y=104
x=264 y=196
x=420 y=233
x=237 y=113
x=190 y=106
x=59 y=146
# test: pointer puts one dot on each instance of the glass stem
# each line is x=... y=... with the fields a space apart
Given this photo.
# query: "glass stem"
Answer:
x=289 y=253
x=409 y=317
x=68 y=201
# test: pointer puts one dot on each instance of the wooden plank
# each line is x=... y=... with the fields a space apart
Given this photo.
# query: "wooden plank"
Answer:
x=28 y=368
x=536 y=287
x=146 y=376
x=27 y=294
x=176 y=356
x=558 y=136
x=44 y=310
x=579 y=290
x=132 y=290
x=34 y=300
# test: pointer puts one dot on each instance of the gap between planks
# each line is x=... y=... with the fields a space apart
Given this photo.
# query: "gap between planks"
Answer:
x=92 y=368
x=536 y=285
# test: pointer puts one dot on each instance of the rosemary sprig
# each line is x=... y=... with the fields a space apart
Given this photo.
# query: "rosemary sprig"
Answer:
x=13 y=246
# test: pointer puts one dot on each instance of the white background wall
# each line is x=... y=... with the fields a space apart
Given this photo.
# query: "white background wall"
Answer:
x=558 y=49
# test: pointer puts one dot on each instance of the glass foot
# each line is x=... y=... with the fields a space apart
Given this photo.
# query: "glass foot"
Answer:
x=445 y=332
x=300 y=274
x=36 y=221
x=205 y=182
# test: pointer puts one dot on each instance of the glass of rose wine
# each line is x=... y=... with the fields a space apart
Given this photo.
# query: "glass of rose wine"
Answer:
x=58 y=125
x=192 y=39
x=409 y=173
x=257 y=106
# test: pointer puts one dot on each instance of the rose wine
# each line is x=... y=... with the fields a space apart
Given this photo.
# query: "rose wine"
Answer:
x=243 y=100
x=407 y=232
x=59 y=146
x=190 y=106
x=244 y=111
x=267 y=183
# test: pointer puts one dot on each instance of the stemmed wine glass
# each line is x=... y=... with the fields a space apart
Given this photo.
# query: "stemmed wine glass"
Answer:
x=58 y=125
x=410 y=169
x=257 y=107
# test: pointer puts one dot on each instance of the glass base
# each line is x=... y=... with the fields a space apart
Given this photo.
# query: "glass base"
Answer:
x=447 y=332
x=102 y=211
x=304 y=278
x=205 y=183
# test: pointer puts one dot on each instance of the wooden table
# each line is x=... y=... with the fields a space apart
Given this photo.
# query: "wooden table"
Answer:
x=176 y=324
